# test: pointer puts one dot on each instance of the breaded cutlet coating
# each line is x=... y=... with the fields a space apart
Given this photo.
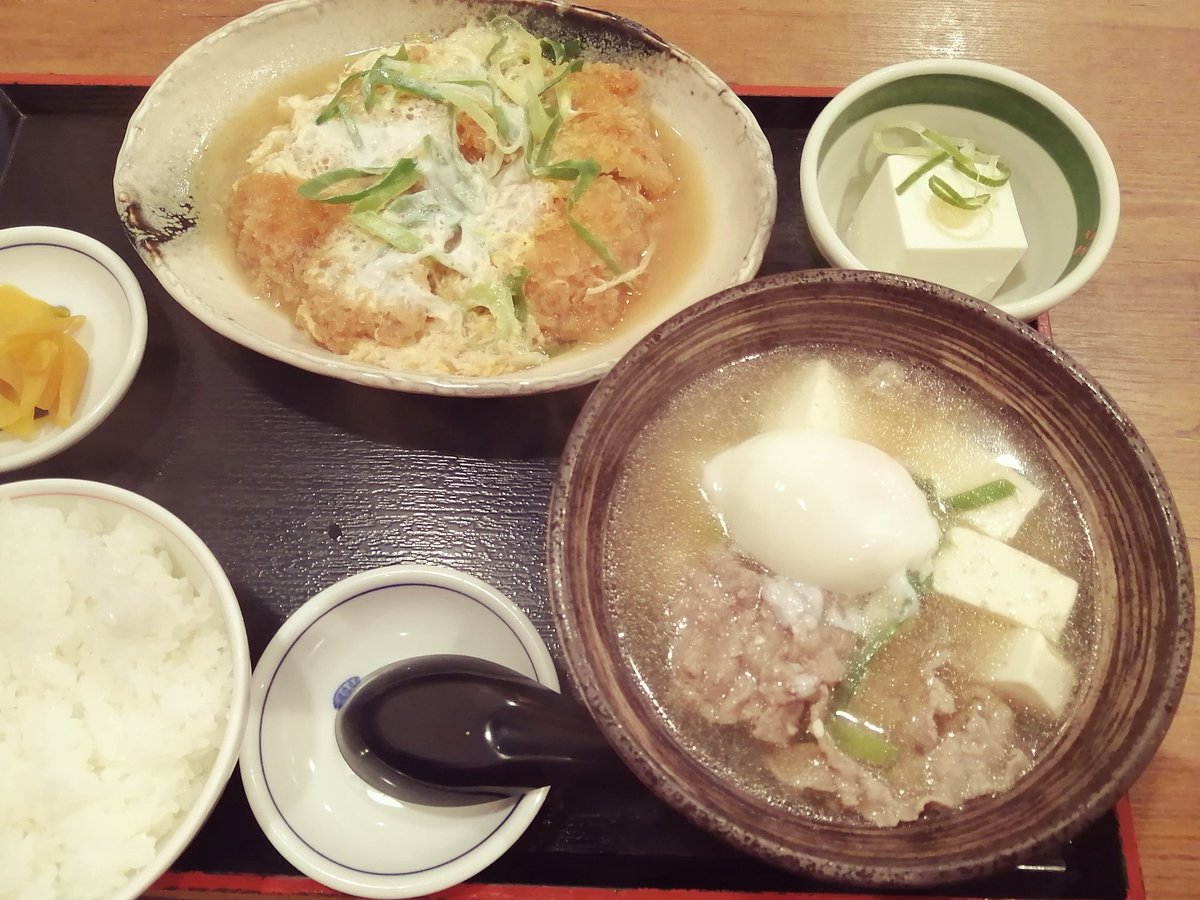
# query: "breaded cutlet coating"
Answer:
x=562 y=267
x=276 y=232
x=613 y=127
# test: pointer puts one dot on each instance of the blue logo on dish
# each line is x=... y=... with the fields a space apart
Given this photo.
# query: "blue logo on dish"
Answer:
x=342 y=694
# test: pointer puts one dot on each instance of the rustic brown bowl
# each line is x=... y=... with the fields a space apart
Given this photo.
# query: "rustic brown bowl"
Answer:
x=1143 y=576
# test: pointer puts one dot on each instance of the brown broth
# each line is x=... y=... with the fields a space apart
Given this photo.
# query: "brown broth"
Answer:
x=659 y=526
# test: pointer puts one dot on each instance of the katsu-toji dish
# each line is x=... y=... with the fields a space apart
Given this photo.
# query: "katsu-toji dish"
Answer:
x=469 y=204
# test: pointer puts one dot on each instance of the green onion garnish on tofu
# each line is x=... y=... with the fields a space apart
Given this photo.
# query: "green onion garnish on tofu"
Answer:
x=944 y=191
x=936 y=148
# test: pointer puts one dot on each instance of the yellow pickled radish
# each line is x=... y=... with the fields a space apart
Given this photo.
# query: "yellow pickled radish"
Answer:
x=42 y=366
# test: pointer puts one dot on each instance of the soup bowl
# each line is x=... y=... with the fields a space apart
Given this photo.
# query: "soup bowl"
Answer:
x=1140 y=580
x=176 y=168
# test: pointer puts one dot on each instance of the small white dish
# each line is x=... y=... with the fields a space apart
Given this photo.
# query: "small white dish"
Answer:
x=318 y=813
x=71 y=269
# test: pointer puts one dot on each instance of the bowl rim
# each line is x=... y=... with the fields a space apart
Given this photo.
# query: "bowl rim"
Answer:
x=521 y=382
x=187 y=826
x=1030 y=307
x=582 y=668
x=67 y=239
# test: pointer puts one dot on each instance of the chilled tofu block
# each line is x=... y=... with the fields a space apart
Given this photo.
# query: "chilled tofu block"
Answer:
x=1026 y=668
x=1002 y=518
x=917 y=234
x=987 y=573
x=817 y=396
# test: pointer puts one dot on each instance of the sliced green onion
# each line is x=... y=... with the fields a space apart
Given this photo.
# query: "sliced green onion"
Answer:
x=947 y=146
x=920 y=585
x=975 y=175
x=387 y=230
x=497 y=299
x=386 y=194
x=408 y=85
x=929 y=165
x=860 y=739
x=343 y=112
x=315 y=188
x=331 y=108
x=573 y=66
x=917 y=149
x=984 y=495
x=584 y=172
x=937 y=148
x=543 y=153
x=625 y=277
x=597 y=245
x=942 y=189
x=588 y=170
x=515 y=282
x=856 y=737
x=561 y=51
x=858 y=666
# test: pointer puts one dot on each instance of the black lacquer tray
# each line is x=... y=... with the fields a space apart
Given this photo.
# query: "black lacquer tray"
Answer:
x=297 y=480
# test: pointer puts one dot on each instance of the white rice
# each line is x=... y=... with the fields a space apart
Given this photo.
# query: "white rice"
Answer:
x=115 y=685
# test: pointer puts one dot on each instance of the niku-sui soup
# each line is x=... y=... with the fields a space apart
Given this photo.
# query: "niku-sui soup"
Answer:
x=849 y=585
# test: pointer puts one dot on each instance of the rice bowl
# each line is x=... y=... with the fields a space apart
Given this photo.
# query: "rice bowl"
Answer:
x=124 y=689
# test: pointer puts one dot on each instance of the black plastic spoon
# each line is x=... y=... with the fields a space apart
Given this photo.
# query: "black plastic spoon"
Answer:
x=452 y=730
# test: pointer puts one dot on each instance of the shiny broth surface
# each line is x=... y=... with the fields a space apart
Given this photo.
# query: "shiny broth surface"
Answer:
x=660 y=528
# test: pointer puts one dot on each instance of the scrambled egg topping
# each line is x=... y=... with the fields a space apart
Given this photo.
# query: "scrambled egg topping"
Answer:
x=466 y=205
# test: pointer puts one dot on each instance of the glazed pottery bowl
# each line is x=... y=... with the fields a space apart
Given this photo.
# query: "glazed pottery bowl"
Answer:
x=73 y=270
x=1063 y=182
x=170 y=191
x=1141 y=579
x=149 y=640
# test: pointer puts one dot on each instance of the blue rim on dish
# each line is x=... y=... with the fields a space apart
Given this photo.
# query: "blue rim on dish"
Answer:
x=95 y=282
x=348 y=631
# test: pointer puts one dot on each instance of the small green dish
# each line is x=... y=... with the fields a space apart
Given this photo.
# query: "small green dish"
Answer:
x=1063 y=180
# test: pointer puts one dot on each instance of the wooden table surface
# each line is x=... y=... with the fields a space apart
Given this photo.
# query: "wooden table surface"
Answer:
x=1132 y=67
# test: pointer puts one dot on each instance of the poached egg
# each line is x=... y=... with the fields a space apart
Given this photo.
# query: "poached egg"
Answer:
x=821 y=509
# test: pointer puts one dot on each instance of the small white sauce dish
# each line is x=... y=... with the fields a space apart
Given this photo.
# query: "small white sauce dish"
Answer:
x=1063 y=180
x=323 y=818
x=67 y=268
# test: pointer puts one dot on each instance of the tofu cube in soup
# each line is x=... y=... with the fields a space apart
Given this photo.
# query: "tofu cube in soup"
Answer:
x=987 y=573
x=1027 y=669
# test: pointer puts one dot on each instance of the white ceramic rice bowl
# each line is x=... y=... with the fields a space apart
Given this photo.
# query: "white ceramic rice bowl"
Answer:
x=193 y=559
x=214 y=81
